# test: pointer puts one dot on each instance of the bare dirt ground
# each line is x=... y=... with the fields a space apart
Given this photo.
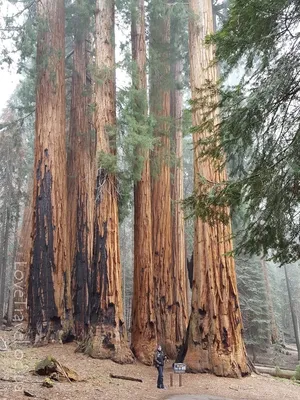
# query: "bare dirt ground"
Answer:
x=17 y=361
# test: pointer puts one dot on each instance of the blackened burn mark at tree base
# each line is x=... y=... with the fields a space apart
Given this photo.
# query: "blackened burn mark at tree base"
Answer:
x=225 y=337
x=43 y=312
x=190 y=269
x=183 y=348
x=81 y=277
x=99 y=274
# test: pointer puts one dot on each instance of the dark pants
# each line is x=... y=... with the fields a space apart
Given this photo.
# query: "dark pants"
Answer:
x=160 y=378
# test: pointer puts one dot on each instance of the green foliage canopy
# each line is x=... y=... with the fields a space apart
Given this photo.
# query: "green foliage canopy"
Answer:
x=260 y=124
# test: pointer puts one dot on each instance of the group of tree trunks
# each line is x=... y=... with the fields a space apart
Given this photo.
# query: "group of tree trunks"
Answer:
x=75 y=272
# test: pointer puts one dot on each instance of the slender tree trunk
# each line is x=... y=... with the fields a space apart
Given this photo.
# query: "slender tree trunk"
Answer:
x=49 y=296
x=293 y=312
x=109 y=337
x=214 y=340
x=80 y=185
x=22 y=257
x=6 y=221
x=11 y=277
x=143 y=333
x=178 y=235
x=160 y=170
x=4 y=257
x=273 y=325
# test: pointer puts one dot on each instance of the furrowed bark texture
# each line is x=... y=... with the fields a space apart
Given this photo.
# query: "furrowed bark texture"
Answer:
x=80 y=188
x=143 y=332
x=49 y=297
x=178 y=238
x=214 y=341
x=109 y=338
x=160 y=185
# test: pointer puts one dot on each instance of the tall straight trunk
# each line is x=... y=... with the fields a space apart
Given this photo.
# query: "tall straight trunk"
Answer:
x=273 y=325
x=178 y=236
x=160 y=170
x=6 y=221
x=49 y=298
x=13 y=260
x=4 y=259
x=22 y=258
x=80 y=185
x=214 y=340
x=293 y=312
x=143 y=332
x=109 y=337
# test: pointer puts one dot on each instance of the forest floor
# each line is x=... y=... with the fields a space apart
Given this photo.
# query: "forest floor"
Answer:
x=18 y=360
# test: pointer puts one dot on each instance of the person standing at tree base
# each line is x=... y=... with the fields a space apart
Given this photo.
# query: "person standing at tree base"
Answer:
x=159 y=363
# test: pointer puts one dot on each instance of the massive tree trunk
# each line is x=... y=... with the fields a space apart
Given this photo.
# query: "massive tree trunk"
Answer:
x=49 y=297
x=143 y=333
x=178 y=236
x=293 y=312
x=214 y=340
x=80 y=185
x=160 y=169
x=273 y=326
x=108 y=334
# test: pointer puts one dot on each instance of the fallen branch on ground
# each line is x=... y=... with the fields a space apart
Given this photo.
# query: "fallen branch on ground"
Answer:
x=277 y=372
x=126 y=378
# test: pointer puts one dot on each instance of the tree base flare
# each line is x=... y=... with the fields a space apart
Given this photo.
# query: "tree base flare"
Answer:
x=220 y=364
x=105 y=342
x=144 y=351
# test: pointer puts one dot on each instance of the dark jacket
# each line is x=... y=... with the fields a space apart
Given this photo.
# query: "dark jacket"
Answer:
x=159 y=359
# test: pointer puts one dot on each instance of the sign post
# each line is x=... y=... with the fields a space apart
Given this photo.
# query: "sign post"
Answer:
x=178 y=368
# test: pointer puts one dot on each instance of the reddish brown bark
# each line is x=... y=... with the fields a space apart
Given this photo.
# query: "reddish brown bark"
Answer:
x=80 y=186
x=214 y=341
x=108 y=334
x=178 y=236
x=160 y=170
x=143 y=333
x=49 y=281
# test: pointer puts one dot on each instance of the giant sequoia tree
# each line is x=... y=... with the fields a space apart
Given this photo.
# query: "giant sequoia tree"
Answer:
x=179 y=267
x=214 y=340
x=143 y=333
x=108 y=333
x=80 y=175
x=49 y=280
x=160 y=169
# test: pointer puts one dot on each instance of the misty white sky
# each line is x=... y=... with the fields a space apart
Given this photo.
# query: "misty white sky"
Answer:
x=8 y=77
